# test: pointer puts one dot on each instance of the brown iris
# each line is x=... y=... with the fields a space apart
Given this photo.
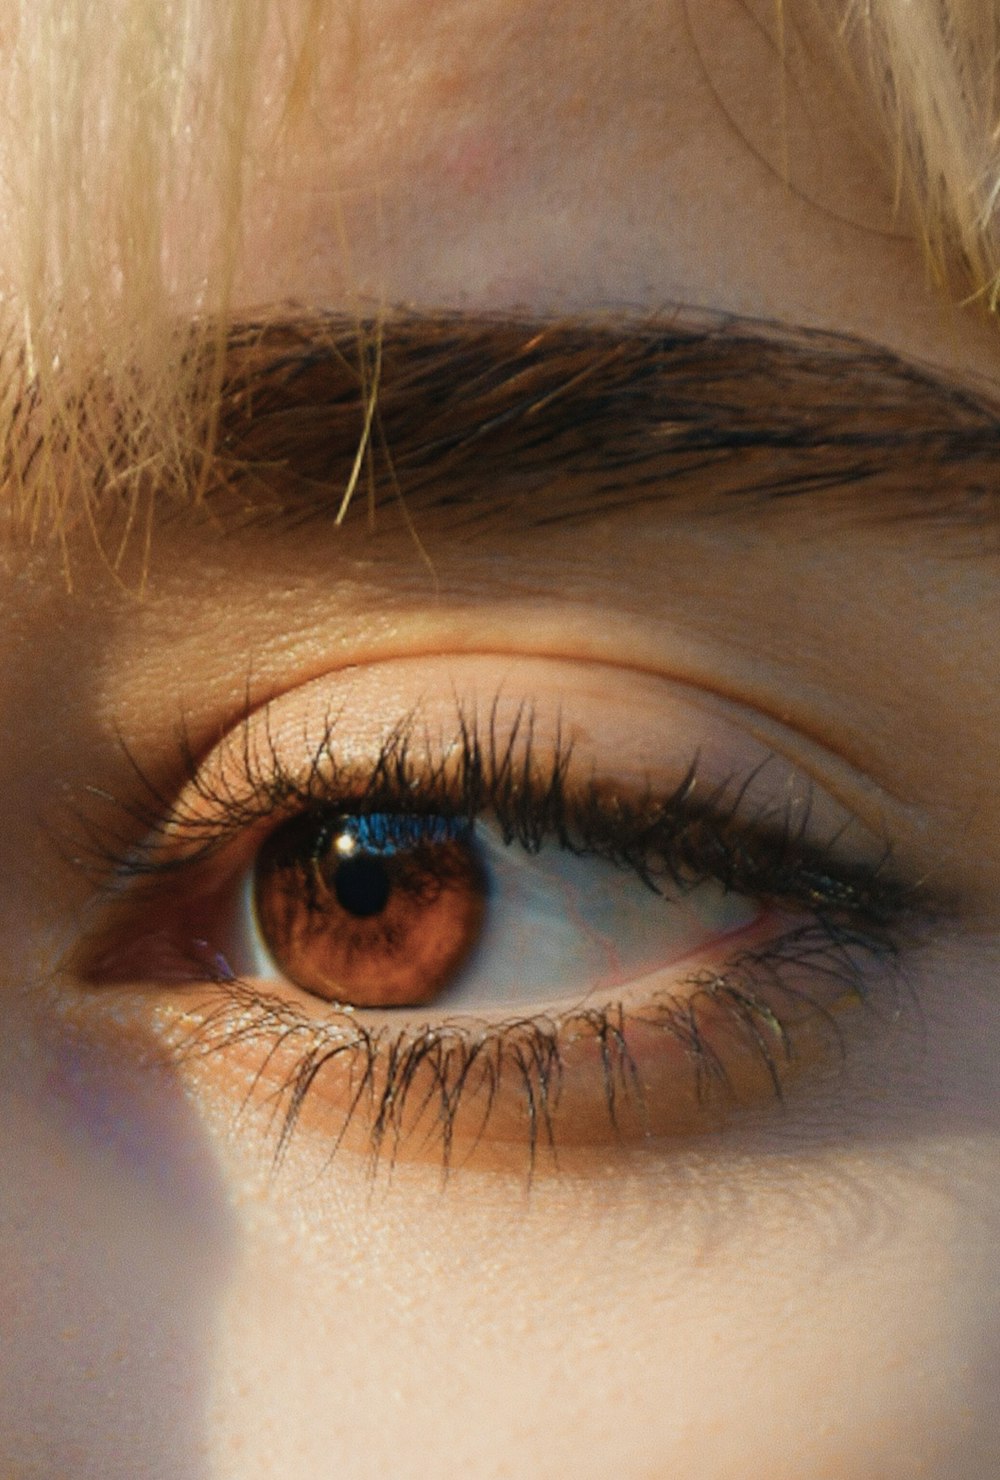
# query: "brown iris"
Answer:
x=375 y=911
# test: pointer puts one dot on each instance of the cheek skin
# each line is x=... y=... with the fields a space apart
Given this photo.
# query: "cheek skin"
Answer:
x=803 y=1298
x=117 y=1240
x=733 y=1317
x=130 y=1114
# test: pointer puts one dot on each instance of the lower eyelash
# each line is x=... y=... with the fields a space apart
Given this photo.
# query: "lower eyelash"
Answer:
x=409 y=1086
x=422 y=1088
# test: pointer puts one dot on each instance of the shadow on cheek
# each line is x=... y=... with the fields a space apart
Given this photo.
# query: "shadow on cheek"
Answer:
x=115 y=1242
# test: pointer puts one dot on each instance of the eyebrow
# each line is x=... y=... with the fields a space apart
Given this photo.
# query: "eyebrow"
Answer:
x=476 y=418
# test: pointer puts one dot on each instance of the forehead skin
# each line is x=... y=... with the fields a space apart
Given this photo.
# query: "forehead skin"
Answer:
x=573 y=156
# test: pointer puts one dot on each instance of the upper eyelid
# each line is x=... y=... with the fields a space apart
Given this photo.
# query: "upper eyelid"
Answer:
x=137 y=833
x=503 y=769
x=277 y=750
x=800 y=748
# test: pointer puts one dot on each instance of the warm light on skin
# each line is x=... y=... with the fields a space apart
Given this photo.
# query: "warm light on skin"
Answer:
x=813 y=1292
x=512 y=165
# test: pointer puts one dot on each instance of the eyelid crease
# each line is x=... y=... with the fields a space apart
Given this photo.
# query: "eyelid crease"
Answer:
x=527 y=771
x=528 y=784
x=804 y=747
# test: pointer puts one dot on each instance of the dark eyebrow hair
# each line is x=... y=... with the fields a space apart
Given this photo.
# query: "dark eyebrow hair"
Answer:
x=477 y=417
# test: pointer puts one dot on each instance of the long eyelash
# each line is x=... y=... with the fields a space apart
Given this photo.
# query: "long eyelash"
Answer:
x=481 y=1057
x=674 y=843
x=401 y=1079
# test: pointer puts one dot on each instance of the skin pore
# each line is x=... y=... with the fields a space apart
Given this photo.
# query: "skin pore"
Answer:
x=807 y=1290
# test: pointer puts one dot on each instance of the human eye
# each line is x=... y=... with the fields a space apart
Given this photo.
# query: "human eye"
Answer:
x=453 y=909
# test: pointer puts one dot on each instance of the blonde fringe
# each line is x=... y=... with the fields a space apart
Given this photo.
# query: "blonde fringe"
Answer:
x=145 y=120
x=931 y=70
x=117 y=132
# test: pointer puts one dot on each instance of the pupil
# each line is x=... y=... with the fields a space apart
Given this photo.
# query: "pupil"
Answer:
x=362 y=885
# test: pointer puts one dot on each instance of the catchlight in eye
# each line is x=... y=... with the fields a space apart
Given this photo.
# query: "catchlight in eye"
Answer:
x=398 y=909
x=517 y=919
x=370 y=911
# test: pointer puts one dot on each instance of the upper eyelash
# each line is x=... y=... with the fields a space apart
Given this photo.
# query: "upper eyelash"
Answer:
x=855 y=911
x=678 y=841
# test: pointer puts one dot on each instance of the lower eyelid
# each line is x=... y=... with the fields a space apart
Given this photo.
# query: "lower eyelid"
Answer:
x=660 y=1060
x=545 y=1092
